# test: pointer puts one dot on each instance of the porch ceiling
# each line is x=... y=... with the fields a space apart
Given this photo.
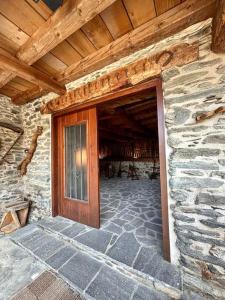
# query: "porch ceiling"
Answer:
x=40 y=50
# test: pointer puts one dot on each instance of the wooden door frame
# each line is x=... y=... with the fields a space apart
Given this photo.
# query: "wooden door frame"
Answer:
x=154 y=83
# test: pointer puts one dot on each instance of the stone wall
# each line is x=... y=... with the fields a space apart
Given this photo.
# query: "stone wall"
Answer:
x=143 y=168
x=10 y=181
x=196 y=166
x=37 y=181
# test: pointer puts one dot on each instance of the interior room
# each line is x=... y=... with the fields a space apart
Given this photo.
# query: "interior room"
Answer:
x=129 y=168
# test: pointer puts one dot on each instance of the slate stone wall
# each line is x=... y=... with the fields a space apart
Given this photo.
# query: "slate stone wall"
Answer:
x=37 y=181
x=196 y=168
x=10 y=181
x=143 y=168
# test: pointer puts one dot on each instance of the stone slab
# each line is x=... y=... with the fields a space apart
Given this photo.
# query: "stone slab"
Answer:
x=61 y=257
x=47 y=249
x=73 y=230
x=80 y=270
x=111 y=285
x=125 y=249
x=144 y=293
x=95 y=239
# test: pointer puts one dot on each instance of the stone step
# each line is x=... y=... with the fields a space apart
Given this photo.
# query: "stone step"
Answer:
x=93 y=275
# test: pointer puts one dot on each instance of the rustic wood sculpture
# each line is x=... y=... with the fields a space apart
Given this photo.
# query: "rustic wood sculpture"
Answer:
x=25 y=162
x=210 y=114
x=15 y=129
x=14 y=215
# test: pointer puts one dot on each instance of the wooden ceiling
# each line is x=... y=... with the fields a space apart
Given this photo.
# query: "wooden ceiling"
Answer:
x=129 y=118
x=40 y=50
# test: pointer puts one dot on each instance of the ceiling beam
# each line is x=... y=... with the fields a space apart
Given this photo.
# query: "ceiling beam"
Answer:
x=176 y=19
x=65 y=21
x=218 y=28
x=18 y=68
x=70 y=17
x=28 y=95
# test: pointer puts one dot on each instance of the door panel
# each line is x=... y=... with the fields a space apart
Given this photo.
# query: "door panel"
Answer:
x=77 y=167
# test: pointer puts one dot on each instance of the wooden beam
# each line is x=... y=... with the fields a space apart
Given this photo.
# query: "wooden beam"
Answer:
x=5 y=77
x=218 y=28
x=65 y=21
x=149 y=67
x=13 y=65
x=159 y=28
x=28 y=95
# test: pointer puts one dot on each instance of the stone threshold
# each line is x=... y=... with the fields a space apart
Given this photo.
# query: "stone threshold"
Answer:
x=49 y=248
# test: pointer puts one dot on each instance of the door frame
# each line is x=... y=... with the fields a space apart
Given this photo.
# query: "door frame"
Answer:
x=154 y=83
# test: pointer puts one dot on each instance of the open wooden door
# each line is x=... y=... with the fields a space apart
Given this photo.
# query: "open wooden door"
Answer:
x=76 y=180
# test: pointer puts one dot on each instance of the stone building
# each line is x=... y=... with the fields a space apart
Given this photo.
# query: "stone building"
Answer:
x=168 y=54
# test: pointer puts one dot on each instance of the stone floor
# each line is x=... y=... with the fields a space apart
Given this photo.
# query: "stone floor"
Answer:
x=131 y=231
x=132 y=208
x=92 y=276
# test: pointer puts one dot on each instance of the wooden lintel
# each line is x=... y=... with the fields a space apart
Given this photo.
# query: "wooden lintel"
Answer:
x=218 y=28
x=11 y=64
x=159 y=28
x=130 y=75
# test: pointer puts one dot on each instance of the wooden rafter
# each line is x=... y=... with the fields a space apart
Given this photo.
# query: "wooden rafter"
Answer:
x=28 y=95
x=12 y=64
x=218 y=28
x=66 y=20
x=172 y=21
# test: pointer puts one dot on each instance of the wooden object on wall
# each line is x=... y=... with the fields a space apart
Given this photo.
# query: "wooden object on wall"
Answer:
x=25 y=162
x=130 y=75
x=218 y=28
x=15 y=129
x=14 y=215
x=210 y=114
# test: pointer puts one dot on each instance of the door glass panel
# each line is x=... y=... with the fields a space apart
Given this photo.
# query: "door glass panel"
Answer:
x=76 y=162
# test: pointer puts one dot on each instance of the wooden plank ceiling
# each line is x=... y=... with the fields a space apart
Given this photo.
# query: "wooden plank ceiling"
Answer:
x=56 y=43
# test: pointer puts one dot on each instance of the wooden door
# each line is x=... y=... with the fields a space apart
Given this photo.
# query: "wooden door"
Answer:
x=76 y=167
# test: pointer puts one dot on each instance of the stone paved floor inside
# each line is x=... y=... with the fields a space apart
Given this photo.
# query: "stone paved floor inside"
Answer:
x=132 y=210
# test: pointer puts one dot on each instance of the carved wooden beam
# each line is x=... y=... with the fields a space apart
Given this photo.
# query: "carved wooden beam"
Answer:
x=132 y=74
x=218 y=28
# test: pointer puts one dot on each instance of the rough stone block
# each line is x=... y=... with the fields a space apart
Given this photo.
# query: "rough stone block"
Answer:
x=210 y=199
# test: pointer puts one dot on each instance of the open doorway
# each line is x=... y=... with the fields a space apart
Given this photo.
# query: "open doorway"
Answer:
x=133 y=189
x=130 y=203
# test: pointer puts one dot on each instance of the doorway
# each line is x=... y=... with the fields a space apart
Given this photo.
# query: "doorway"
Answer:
x=147 y=146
